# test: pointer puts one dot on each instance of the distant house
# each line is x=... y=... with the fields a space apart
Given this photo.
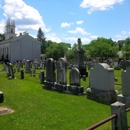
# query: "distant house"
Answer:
x=19 y=47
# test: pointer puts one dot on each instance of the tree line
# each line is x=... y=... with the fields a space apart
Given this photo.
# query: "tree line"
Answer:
x=100 y=47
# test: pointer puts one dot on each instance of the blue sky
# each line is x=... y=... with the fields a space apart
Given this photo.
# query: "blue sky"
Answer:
x=68 y=20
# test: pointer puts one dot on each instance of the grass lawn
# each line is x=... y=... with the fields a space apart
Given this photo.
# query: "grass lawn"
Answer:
x=38 y=109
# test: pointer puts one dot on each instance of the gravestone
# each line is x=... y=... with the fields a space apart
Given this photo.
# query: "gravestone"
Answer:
x=18 y=65
x=28 y=67
x=41 y=76
x=50 y=74
x=116 y=65
x=65 y=57
x=33 y=69
x=4 y=66
x=102 y=84
x=109 y=63
x=22 y=74
x=125 y=96
x=79 y=59
x=7 y=69
x=42 y=65
x=1 y=97
x=127 y=63
x=61 y=84
x=92 y=63
x=11 y=71
x=75 y=87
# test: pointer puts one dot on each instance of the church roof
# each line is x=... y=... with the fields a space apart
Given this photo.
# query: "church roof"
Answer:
x=17 y=38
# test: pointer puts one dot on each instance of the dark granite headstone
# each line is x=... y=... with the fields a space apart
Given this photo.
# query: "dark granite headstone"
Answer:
x=79 y=59
x=50 y=74
x=1 y=97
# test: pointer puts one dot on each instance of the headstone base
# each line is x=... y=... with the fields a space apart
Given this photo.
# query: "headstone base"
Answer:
x=48 y=85
x=78 y=90
x=28 y=71
x=83 y=72
x=61 y=87
x=105 y=97
x=117 y=68
x=1 y=97
x=124 y=99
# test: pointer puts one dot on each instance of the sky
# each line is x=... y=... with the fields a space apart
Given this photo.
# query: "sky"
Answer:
x=68 y=20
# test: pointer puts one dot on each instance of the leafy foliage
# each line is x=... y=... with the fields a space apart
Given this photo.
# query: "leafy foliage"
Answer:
x=102 y=47
x=126 y=51
x=70 y=53
x=120 y=44
x=56 y=50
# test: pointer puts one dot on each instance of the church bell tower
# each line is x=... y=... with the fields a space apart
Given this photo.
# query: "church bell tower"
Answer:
x=10 y=29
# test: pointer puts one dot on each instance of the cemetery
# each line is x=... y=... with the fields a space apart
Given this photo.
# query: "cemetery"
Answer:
x=52 y=95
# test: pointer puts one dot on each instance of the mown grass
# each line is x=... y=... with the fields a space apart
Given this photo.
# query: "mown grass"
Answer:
x=38 y=109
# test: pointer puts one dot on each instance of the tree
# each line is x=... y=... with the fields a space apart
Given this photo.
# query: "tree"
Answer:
x=120 y=44
x=127 y=41
x=70 y=53
x=42 y=39
x=126 y=51
x=103 y=48
x=56 y=50
x=2 y=37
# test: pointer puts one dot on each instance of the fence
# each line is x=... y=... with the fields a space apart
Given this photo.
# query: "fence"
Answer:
x=119 y=118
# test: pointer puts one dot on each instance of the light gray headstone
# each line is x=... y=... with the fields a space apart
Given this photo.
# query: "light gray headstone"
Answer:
x=102 y=77
x=74 y=77
x=102 y=84
x=28 y=67
x=11 y=71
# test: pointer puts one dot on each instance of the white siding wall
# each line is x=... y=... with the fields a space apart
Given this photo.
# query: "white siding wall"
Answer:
x=15 y=51
x=3 y=50
x=23 y=48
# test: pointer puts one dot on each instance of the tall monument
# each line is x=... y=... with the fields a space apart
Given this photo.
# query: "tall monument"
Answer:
x=79 y=59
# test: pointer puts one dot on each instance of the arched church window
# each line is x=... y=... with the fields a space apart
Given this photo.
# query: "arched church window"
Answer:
x=11 y=30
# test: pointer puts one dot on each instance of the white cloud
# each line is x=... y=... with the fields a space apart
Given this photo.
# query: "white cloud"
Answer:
x=124 y=32
x=52 y=37
x=71 y=13
x=94 y=37
x=79 y=22
x=26 y=17
x=64 y=25
x=85 y=40
x=79 y=30
x=72 y=39
x=123 y=35
x=94 y=5
x=2 y=26
x=119 y=36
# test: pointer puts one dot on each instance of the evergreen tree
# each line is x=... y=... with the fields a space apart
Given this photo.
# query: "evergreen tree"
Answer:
x=42 y=39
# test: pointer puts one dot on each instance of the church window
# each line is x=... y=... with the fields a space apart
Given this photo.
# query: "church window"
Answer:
x=11 y=30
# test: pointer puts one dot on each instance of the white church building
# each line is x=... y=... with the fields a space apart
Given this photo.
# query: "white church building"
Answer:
x=19 y=47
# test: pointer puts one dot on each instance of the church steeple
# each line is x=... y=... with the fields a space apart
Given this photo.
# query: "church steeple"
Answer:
x=10 y=29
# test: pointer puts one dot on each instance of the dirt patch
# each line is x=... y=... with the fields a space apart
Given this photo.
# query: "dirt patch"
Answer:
x=5 y=110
